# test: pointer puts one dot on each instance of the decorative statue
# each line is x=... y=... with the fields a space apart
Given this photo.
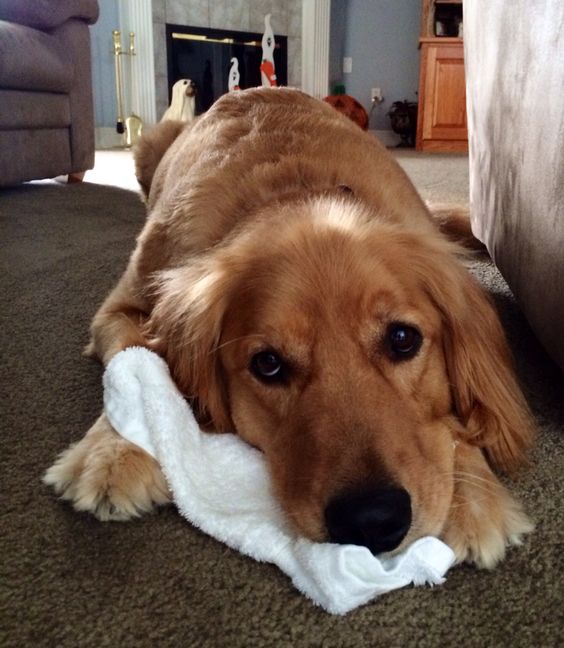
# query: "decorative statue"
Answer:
x=234 y=76
x=403 y=115
x=183 y=104
x=267 y=72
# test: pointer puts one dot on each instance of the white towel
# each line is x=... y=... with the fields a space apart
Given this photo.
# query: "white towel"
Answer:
x=222 y=486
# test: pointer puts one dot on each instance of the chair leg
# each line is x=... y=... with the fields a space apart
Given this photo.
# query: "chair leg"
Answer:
x=74 y=178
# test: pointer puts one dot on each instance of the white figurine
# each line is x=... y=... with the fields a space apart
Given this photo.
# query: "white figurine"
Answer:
x=234 y=76
x=267 y=72
x=183 y=104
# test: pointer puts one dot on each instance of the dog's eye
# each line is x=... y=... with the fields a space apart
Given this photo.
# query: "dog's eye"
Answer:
x=268 y=367
x=403 y=341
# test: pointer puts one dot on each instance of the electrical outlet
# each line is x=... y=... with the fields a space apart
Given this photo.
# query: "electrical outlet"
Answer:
x=347 y=65
x=376 y=95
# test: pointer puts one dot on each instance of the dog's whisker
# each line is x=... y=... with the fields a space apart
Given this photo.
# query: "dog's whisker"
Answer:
x=478 y=483
x=457 y=475
x=463 y=473
x=486 y=488
x=475 y=500
x=470 y=477
x=242 y=337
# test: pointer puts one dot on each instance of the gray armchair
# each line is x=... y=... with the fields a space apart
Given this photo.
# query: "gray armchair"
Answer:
x=46 y=111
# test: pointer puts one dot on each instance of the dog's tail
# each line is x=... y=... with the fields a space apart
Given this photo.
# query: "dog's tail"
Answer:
x=151 y=149
x=454 y=222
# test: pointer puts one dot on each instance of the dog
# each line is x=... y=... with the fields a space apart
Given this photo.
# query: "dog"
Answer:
x=304 y=298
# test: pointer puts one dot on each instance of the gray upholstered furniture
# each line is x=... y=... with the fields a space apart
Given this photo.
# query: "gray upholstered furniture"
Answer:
x=46 y=112
x=514 y=54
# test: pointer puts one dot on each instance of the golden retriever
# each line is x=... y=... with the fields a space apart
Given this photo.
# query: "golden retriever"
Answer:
x=304 y=298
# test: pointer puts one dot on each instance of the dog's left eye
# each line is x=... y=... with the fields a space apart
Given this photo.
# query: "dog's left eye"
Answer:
x=403 y=341
x=268 y=367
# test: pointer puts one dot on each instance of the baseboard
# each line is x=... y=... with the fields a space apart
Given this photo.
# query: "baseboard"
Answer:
x=106 y=137
x=386 y=137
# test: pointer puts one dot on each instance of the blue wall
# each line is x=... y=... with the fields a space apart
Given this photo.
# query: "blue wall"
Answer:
x=103 y=77
x=381 y=36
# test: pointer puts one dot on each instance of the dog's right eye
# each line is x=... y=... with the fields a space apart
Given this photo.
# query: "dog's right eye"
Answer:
x=403 y=341
x=268 y=367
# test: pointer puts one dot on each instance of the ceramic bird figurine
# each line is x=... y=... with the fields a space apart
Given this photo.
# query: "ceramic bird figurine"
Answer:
x=183 y=104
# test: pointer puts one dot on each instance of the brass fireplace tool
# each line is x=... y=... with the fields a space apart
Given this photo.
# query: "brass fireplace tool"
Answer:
x=132 y=126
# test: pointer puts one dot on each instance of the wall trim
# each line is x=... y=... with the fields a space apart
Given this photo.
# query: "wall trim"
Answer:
x=316 y=27
x=106 y=137
x=137 y=16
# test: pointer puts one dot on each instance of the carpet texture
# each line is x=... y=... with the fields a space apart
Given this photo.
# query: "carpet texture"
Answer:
x=68 y=580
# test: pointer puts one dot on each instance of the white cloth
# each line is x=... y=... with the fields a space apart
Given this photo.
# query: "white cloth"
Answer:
x=222 y=486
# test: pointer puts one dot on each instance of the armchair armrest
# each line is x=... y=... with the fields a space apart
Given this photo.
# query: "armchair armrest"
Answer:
x=48 y=14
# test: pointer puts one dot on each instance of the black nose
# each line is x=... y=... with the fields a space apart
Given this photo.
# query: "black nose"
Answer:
x=377 y=519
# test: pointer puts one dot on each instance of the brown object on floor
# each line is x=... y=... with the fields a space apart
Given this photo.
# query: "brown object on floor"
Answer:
x=350 y=107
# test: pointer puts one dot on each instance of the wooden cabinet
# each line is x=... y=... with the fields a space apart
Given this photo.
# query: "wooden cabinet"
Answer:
x=441 y=121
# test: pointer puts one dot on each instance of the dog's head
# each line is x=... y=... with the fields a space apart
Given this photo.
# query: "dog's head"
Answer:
x=355 y=355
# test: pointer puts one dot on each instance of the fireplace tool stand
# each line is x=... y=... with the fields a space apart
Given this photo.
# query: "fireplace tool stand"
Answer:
x=130 y=127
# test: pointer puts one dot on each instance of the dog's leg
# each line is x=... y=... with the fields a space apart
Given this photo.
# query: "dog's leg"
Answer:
x=103 y=473
x=108 y=476
x=118 y=323
x=484 y=518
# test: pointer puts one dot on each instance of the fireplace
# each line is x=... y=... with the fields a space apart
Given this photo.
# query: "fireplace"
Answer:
x=204 y=56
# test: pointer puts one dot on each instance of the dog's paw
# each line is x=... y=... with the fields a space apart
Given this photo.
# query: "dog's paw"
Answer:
x=479 y=530
x=107 y=476
x=484 y=518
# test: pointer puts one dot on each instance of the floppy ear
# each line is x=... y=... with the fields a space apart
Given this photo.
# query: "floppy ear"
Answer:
x=485 y=392
x=185 y=328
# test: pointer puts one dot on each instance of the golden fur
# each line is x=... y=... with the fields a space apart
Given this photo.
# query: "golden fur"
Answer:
x=274 y=222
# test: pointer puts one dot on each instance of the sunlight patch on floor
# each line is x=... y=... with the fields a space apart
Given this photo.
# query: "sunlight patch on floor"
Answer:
x=114 y=167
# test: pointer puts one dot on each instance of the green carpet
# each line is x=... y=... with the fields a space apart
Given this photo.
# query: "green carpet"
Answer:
x=67 y=580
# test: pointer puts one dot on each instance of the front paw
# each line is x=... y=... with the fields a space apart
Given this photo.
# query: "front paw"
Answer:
x=480 y=533
x=484 y=518
x=108 y=476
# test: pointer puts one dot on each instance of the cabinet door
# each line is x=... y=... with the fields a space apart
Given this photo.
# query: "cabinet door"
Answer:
x=444 y=101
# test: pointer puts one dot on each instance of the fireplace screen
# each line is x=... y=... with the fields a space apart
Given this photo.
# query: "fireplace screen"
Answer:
x=205 y=56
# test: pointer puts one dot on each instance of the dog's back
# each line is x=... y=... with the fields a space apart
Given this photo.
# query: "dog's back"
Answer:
x=256 y=147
